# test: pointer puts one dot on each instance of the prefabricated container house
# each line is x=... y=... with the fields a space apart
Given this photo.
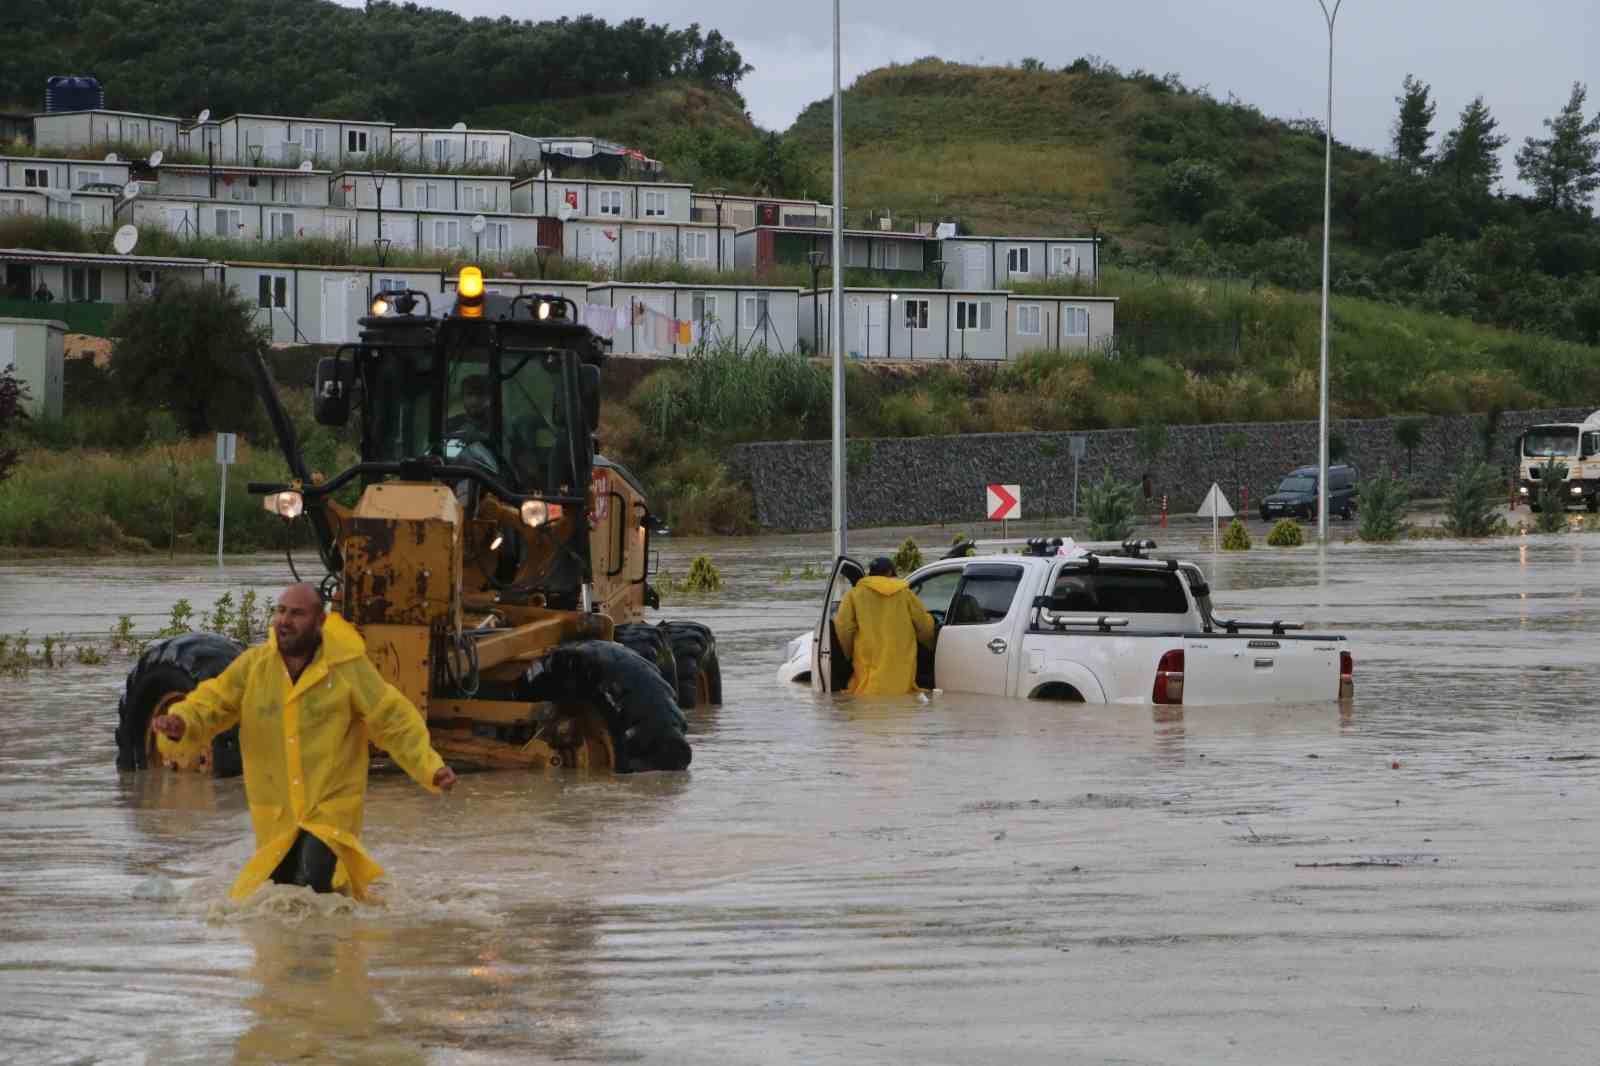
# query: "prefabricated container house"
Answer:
x=747 y=212
x=251 y=140
x=645 y=201
x=766 y=246
x=1059 y=323
x=670 y=319
x=616 y=244
x=89 y=209
x=86 y=129
x=320 y=305
x=41 y=172
x=244 y=185
x=453 y=192
x=998 y=262
x=89 y=277
x=911 y=324
x=501 y=149
x=33 y=349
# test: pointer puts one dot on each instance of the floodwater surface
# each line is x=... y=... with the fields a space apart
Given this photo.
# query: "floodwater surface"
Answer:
x=1412 y=877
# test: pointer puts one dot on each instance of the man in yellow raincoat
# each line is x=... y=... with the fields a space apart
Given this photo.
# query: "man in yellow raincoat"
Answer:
x=880 y=623
x=306 y=703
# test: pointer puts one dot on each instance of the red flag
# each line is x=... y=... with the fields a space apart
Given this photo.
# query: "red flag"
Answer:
x=572 y=199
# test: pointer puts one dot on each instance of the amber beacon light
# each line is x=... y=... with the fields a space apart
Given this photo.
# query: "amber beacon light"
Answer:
x=469 y=292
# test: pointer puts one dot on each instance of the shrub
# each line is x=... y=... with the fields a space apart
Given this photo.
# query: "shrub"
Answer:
x=1108 y=503
x=703 y=575
x=1471 y=500
x=1408 y=434
x=1236 y=538
x=1286 y=534
x=1552 y=497
x=908 y=557
x=1383 y=505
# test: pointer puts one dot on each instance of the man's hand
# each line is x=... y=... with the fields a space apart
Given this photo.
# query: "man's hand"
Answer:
x=445 y=779
x=169 y=725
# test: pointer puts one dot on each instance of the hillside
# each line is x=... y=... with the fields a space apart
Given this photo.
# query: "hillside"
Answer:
x=1179 y=181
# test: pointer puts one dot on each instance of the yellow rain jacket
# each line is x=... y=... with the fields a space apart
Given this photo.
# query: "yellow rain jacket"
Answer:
x=305 y=747
x=879 y=624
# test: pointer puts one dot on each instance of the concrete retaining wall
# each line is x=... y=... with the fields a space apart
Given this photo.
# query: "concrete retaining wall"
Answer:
x=935 y=479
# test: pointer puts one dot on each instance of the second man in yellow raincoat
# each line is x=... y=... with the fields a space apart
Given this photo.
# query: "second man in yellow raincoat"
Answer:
x=880 y=623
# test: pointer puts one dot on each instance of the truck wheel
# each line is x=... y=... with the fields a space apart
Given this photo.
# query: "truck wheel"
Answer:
x=654 y=643
x=166 y=672
x=699 y=680
x=639 y=706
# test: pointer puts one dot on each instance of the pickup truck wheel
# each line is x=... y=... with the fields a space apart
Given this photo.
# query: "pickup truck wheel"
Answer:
x=166 y=672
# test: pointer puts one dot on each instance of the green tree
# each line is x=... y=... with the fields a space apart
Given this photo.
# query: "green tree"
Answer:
x=1564 y=168
x=1108 y=504
x=1383 y=508
x=1468 y=156
x=1551 y=499
x=1471 y=500
x=184 y=349
x=1408 y=434
x=1413 y=129
x=12 y=394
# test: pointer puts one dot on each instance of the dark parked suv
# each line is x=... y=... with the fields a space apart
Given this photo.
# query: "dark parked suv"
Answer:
x=1296 y=494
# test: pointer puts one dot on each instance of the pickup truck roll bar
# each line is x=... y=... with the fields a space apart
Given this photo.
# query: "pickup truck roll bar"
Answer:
x=1278 y=628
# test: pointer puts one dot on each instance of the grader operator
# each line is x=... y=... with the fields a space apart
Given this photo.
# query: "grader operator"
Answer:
x=496 y=566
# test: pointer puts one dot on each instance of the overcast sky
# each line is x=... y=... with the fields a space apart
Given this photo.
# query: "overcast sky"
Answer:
x=1521 y=56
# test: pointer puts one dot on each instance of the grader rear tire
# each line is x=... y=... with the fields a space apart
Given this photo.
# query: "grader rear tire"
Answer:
x=647 y=729
x=166 y=672
x=654 y=643
x=699 y=673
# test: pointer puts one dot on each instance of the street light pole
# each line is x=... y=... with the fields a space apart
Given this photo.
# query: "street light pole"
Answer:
x=377 y=180
x=836 y=306
x=719 y=194
x=1327 y=219
x=382 y=245
x=815 y=258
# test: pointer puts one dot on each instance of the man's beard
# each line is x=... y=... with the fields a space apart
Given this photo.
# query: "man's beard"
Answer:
x=304 y=644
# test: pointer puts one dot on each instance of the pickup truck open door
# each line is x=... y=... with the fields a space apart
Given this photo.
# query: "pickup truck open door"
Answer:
x=830 y=669
x=974 y=649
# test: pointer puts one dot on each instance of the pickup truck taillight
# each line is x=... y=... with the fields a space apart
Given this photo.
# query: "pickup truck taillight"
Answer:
x=1169 y=678
x=1347 y=675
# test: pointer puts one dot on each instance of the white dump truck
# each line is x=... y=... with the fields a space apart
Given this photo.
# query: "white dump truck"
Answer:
x=1574 y=446
x=1064 y=622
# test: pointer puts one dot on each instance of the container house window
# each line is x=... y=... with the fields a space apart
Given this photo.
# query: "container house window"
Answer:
x=755 y=309
x=703 y=306
x=441 y=152
x=392 y=285
x=655 y=205
x=1017 y=260
x=311 y=140
x=446 y=233
x=1074 y=321
x=36 y=177
x=480 y=149
x=697 y=246
x=972 y=315
x=227 y=222
x=272 y=290
x=88 y=177
x=891 y=256
x=356 y=140
x=611 y=202
x=1028 y=320
x=497 y=237
x=916 y=314
x=11 y=206
x=85 y=284
x=281 y=224
x=1062 y=261
x=644 y=244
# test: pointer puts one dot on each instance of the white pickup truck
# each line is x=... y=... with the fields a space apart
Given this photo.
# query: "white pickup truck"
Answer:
x=1062 y=622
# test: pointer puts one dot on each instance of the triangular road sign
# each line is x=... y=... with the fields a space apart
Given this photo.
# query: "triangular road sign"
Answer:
x=1215 y=505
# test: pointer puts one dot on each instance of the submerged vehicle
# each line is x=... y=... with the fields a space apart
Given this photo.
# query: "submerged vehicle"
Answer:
x=1573 y=449
x=1085 y=624
x=1296 y=494
x=496 y=566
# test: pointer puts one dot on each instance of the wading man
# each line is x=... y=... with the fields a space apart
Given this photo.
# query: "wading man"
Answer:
x=306 y=703
x=880 y=623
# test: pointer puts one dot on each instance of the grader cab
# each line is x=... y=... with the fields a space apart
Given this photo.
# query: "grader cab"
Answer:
x=495 y=564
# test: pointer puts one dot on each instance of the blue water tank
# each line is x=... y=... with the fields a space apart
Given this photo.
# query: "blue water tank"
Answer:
x=73 y=92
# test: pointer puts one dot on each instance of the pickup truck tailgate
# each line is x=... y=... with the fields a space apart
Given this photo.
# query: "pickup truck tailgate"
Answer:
x=1260 y=668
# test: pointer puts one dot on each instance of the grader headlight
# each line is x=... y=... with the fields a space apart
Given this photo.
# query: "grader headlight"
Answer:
x=287 y=505
x=536 y=513
x=380 y=307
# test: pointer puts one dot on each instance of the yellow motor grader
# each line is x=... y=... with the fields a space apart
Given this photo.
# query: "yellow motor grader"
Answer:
x=495 y=564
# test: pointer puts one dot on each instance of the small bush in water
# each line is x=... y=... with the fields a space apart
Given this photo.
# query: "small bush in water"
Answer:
x=1286 y=534
x=1471 y=502
x=1108 y=503
x=908 y=558
x=1236 y=538
x=1552 y=497
x=703 y=576
x=1383 y=508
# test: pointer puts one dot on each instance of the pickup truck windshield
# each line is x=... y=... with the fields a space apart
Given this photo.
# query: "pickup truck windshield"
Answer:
x=1550 y=440
x=1298 y=484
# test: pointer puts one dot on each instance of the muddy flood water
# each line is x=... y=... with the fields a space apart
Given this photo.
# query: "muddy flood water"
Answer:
x=1411 y=878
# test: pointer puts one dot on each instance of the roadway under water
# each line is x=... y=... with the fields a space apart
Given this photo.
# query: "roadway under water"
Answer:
x=1411 y=878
